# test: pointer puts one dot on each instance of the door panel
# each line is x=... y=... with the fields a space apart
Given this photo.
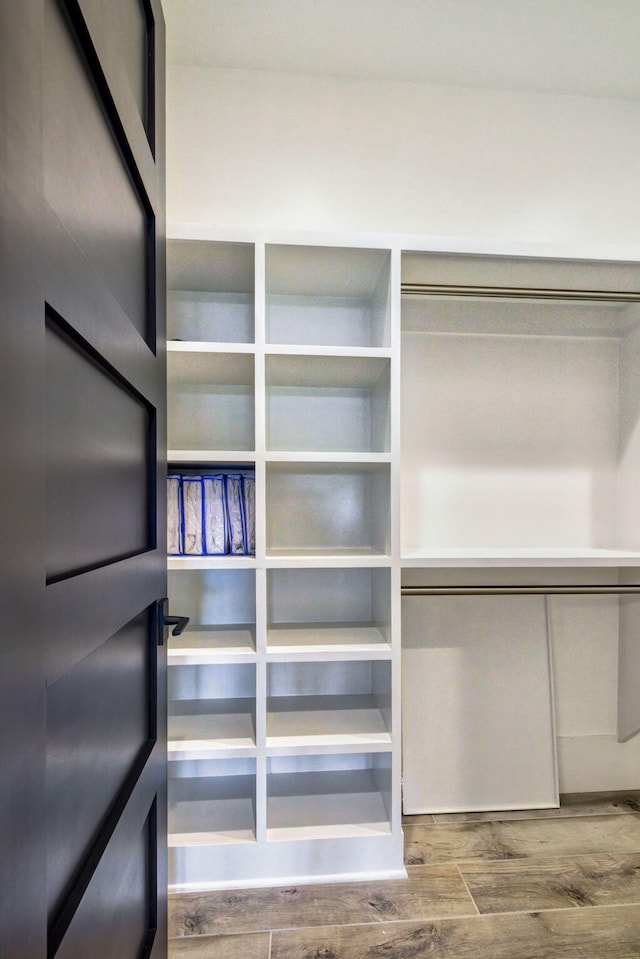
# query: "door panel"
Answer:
x=96 y=202
x=105 y=575
x=22 y=877
x=102 y=601
x=122 y=887
x=82 y=381
x=99 y=461
x=125 y=29
x=99 y=717
x=78 y=296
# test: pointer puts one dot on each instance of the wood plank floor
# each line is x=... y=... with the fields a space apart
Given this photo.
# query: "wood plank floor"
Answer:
x=541 y=884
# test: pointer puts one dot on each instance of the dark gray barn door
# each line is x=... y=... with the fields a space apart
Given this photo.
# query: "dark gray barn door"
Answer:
x=82 y=373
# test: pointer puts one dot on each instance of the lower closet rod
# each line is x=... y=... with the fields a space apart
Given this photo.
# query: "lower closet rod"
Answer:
x=514 y=590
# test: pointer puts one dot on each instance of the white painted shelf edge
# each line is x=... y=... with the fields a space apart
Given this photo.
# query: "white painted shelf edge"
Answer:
x=285 y=349
x=319 y=560
x=289 y=456
x=207 y=346
x=534 y=556
x=200 y=646
x=364 y=552
x=223 y=457
x=214 y=457
x=284 y=559
x=211 y=562
x=325 y=728
x=209 y=837
x=301 y=643
x=209 y=749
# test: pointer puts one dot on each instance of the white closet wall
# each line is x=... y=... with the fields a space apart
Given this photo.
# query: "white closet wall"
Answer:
x=256 y=150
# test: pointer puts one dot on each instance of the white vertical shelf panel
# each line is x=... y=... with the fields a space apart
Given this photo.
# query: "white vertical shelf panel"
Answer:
x=260 y=412
x=394 y=793
x=261 y=536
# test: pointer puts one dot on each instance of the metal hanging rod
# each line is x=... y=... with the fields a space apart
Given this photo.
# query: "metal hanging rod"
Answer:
x=516 y=590
x=518 y=293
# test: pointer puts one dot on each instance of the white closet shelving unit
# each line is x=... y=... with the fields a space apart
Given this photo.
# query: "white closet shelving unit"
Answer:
x=519 y=466
x=284 y=714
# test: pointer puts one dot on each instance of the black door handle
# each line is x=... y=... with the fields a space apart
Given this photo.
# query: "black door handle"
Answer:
x=179 y=623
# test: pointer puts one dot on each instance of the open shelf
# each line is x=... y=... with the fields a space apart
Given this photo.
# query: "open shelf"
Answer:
x=337 y=613
x=211 y=710
x=328 y=706
x=327 y=403
x=520 y=432
x=198 y=647
x=328 y=509
x=211 y=728
x=329 y=796
x=327 y=296
x=317 y=723
x=216 y=805
x=210 y=291
x=211 y=401
x=220 y=603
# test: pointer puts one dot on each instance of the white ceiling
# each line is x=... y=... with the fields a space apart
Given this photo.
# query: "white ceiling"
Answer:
x=585 y=47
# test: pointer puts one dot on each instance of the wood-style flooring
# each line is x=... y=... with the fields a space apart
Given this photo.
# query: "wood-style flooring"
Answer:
x=550 y=884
